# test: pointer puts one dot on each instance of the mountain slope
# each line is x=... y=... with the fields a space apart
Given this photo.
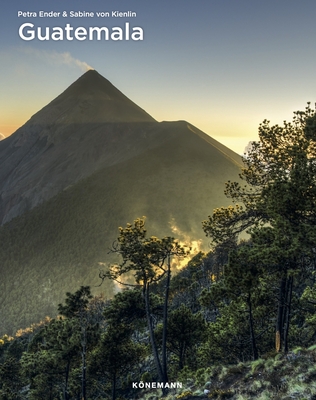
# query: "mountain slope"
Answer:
x=74 y=135
x=75 y=185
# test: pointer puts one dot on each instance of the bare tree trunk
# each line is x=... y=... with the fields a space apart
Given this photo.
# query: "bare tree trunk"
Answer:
x=288 y=314
x=165 y=323
x=83 y=357
x=66 y=395
x=181 y=356
x=114 y=386
x=286 y=288
x=279 y=322
x=50 y=391
x=151 y=332
x=252 y=333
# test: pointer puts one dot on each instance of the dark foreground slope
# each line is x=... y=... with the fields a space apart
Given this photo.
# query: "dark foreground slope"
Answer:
x=170 y=172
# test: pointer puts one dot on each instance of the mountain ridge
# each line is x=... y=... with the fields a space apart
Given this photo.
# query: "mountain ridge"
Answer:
x=92 y=90
x=65 y=187
x=89 y=126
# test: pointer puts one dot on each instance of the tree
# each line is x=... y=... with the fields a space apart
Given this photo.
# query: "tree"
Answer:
x=242 y=288
x=276 y=206
x=115 y=354
x=58 y=351
x=45 y=369
x=149 y=259
x=185 y=331
x=76 y=309
x=126 y=307
x=11 y=381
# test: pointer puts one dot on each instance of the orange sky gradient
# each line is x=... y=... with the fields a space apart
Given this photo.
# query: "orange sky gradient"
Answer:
x=222 y=66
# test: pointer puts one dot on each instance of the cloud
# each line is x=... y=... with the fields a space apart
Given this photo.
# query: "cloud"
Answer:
x=57 y=58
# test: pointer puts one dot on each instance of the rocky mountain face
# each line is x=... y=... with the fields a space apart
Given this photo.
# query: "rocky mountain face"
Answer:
x=88 y=162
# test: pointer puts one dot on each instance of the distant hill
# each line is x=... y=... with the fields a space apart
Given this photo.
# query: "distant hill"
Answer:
x=88 y=162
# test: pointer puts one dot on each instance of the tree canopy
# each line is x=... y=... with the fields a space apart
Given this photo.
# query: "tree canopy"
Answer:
x=276 y=206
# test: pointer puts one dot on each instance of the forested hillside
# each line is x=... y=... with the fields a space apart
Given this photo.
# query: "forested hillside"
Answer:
x=237 y=322
x=85 y=164
x=56 y=247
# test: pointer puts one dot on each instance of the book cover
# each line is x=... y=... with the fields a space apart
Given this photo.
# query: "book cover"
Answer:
x=134 y=261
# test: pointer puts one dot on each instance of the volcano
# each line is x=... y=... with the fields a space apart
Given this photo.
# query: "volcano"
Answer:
x=88 y=162
x=74 y=135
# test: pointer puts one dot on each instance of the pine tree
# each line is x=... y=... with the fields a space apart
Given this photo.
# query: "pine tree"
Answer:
x=150 y=261
x=277 y=206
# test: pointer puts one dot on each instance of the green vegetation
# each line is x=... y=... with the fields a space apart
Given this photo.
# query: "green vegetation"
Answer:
x=236 y=323
x=56 y=247
x=150 y=261
x=278 y=210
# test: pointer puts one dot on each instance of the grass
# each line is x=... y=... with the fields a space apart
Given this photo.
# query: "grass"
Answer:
x=277 y=378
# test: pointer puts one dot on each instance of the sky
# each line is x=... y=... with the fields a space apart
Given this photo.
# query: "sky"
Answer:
x=222 y=65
